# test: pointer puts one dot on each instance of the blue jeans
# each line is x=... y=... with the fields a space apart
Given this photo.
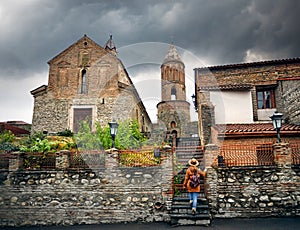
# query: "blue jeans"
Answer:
x=194 y=197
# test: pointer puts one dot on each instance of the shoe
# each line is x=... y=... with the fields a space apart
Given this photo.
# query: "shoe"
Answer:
x=194 y=211
x=191 y=203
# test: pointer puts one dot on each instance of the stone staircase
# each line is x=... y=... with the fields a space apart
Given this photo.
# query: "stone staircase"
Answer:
x=181 y=214
x=181 y=211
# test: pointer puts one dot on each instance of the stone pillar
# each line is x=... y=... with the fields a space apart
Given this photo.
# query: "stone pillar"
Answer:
x=62 y=160
x=282 y=154
x=111 y=158
x=167 y=177
x=210 y=155
x=15 y=161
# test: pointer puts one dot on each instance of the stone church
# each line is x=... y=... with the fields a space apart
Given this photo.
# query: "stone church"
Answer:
x=87 y=82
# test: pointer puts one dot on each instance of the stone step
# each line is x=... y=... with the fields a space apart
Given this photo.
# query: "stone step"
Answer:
x=184 y=219
x=181 y=212
x=187 y=206
x=185 y=199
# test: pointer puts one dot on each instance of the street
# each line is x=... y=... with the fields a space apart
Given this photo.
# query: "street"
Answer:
x=290 y=223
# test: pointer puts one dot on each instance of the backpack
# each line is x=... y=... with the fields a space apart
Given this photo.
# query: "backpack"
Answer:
x=195 y=180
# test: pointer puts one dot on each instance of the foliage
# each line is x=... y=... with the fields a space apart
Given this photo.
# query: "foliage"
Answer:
x=41 y=143
x=141 y=158
x=6 y=142
x=129 y=136
x=6 y=136
x=104 y=136
x=38 y=145
x=66 y=133
x=86 y=139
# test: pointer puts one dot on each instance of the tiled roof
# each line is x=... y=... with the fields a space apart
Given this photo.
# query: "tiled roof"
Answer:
x=254 y=128
x=251 y=64
x=226 y=87
x=15 y=130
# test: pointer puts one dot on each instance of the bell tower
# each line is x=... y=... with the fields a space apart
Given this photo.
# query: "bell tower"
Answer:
x=173 y=110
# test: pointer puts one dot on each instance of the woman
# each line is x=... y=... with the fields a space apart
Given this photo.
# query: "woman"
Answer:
x=193 y=191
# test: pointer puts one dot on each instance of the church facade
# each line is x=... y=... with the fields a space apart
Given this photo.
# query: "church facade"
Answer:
x=87 y=82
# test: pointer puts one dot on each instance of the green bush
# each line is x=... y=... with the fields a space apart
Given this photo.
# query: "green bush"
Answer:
x=86 y=139
x=6 y=142
x=128 y=136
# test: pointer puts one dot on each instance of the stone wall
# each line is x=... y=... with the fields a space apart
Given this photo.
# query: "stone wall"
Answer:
x=105 y=195
x=108 y=90
x=254 y=191
x=289 y=89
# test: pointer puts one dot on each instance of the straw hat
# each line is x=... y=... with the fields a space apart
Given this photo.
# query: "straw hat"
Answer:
x=193 y=162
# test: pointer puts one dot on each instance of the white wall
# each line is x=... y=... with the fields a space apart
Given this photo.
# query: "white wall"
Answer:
x=232 y=106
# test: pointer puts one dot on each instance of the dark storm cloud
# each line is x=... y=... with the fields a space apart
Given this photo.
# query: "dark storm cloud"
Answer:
x=32 y=32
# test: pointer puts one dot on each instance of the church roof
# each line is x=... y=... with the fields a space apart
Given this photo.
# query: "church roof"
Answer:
x=110 y=44
x=172 y=55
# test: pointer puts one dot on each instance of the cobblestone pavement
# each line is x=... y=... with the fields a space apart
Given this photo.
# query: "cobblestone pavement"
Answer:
x=222 y=224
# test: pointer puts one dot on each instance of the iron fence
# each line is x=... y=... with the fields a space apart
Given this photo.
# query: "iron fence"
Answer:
x=4 y=161
x=89 y=159
x=140 y=158
x=249 y=154
x=43 y=161
x=295 y=151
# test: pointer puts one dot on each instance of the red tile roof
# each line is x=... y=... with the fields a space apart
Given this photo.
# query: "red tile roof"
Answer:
x=226 y=87
x=255 y=129
x=251 y=64
x=15 y=130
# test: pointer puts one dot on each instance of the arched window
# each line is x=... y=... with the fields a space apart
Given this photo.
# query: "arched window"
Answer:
x=173 y=93
x=83 y=81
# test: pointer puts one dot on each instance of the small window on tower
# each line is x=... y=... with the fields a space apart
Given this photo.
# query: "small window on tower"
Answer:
x=173 y=93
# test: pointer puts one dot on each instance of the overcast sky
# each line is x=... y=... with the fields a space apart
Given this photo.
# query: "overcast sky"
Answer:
x=205 y=32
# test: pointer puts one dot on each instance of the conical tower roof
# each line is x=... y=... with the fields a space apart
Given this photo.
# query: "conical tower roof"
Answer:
x=110 y=44
x=172 y=55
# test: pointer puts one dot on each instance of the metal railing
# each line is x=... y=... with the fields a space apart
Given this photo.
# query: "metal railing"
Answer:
x=295 y=151
x=140 y=158
x=250 y=154
x=89 y=159
x=33 y=161
x=4 y=161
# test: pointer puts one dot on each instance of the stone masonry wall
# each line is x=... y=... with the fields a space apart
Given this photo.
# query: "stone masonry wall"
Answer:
x=254 y=191
x=291 y=99
x=106 y=195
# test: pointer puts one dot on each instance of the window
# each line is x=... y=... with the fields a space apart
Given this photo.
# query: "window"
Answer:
x=265 y=99
x=83 y=81
x=85 y=59
x=173 y=93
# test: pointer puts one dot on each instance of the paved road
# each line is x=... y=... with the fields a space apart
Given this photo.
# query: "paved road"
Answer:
x=219 y=224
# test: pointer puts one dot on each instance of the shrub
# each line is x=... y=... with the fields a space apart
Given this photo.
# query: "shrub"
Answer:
x=6 y=142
